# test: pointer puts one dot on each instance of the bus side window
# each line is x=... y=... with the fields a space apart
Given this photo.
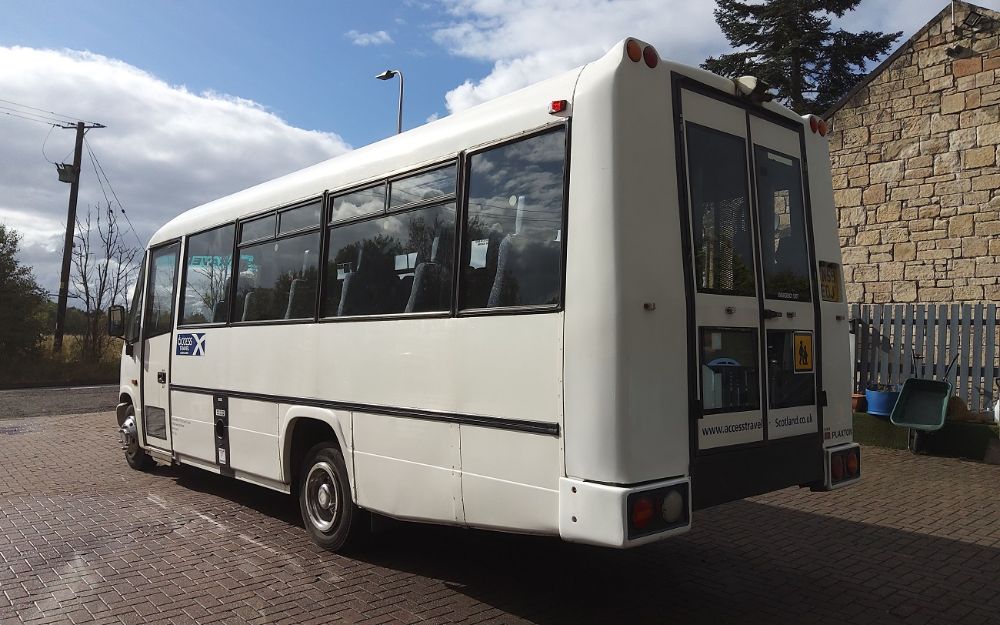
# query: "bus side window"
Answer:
x=399 y=263
x=512 y=249
x=208 y=268
x=279 y=280
x=162 y=288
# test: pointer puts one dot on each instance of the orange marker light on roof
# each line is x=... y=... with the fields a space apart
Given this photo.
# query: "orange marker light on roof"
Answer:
x=822 y=127
x=650 y=56
x=813 y=123
x=633 y=50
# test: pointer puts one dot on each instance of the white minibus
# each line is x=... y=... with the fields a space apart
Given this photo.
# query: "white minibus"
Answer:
x=584 y=309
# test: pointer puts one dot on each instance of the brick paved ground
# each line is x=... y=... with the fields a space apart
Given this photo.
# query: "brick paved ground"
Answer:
x=83 y=538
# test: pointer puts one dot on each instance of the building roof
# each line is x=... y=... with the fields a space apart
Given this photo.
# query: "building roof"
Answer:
x=864 y=82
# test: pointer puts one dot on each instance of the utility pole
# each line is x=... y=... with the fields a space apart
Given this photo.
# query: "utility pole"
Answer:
x=74 y=192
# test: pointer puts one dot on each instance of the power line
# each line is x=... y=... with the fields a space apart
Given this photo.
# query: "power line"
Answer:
x=30 y=119
x=66 y=118
x=96 y=161
x=46 y=118
x=47 y=135
x=93 y=163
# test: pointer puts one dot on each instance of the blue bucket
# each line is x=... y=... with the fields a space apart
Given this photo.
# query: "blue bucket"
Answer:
x=881 y=403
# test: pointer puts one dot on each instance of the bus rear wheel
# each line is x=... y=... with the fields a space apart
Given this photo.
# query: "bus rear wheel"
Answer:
x=136 y=456
x=332 y=519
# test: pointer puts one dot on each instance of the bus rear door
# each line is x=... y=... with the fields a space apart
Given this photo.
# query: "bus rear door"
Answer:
x=755 y=417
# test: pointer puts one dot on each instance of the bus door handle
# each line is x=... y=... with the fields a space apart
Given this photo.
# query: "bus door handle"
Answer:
x=161 y=377
x=771 y=314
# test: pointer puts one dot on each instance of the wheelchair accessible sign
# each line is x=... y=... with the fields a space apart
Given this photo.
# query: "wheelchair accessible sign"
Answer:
x=191 y=344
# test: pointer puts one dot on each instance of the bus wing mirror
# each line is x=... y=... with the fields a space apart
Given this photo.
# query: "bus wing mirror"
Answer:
x=116 y=321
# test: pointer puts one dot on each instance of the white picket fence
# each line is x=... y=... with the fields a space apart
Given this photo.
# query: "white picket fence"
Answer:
x=894 y=342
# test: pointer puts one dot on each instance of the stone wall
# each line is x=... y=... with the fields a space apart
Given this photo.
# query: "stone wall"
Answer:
x=916 y=172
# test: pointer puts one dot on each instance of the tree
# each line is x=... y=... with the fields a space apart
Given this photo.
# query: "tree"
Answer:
x=790 y=45
x=23 y=319
x=103 y=268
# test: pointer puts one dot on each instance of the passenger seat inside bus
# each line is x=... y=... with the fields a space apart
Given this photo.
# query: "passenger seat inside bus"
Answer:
x=220 y=312
x=528 y=270
x=432 y=279
x=301 y=295
x=372 y=288
x=480 y=279
x=301 y=292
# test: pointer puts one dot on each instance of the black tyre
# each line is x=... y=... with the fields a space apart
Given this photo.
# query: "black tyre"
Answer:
x=136 y=456
x=328 y=510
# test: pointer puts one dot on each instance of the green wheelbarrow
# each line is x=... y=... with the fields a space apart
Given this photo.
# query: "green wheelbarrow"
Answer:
x=922 y=404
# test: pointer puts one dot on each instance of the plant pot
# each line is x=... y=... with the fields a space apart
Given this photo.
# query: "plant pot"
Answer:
x=858 y=402
x=881 y=403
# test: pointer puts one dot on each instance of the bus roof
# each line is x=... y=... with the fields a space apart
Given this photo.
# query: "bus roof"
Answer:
x=521 y=111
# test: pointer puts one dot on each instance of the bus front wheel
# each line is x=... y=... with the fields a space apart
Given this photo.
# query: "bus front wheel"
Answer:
x=136 y=456
x=328 y=511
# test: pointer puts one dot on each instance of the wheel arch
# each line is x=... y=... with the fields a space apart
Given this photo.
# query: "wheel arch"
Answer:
x=125 y=399
x=304 y=426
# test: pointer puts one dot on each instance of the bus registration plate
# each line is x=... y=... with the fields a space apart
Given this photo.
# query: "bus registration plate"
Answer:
x=829 y=281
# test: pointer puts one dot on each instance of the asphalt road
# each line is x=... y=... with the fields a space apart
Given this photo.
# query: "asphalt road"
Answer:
x=41 y=402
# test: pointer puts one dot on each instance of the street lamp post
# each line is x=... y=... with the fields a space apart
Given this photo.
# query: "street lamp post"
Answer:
x=386 y=75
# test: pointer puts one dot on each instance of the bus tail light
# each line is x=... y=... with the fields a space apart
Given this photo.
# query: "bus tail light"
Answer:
x=633 y=50
x=650 y=56
x=836 y=468
x=845 y=464
x=558 y=106
x=818 y=125
x=672 y=507
x=642 y=512
x=657 y=510
x=851 y=462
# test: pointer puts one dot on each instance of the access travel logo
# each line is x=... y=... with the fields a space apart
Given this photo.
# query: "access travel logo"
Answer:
x=192 y=344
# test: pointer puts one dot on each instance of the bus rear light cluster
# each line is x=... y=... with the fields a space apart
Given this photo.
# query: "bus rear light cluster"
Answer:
x=635 y=52
x=657 y=510
x=818 y=125
x=845 y=465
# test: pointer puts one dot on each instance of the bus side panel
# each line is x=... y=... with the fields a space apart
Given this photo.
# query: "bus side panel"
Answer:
x=504 y=366
x=193 y=424
x=626 y=364
x=838 y=371
x=253 y=437
x=510 y=480
x=407 y=468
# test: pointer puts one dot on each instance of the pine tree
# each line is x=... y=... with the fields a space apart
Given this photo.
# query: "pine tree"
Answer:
x=790 y=45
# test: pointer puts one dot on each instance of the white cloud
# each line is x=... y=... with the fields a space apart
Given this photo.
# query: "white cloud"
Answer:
x=527 y=41
x=376 y=38
x=165 y=149
x=893 y=15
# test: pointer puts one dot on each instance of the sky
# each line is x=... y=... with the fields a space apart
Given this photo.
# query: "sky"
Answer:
x=203 y=98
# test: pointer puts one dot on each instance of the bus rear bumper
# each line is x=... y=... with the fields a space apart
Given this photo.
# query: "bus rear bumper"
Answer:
x=600 y=514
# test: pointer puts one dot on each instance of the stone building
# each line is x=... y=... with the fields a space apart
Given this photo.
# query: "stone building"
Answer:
x=916 y=169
